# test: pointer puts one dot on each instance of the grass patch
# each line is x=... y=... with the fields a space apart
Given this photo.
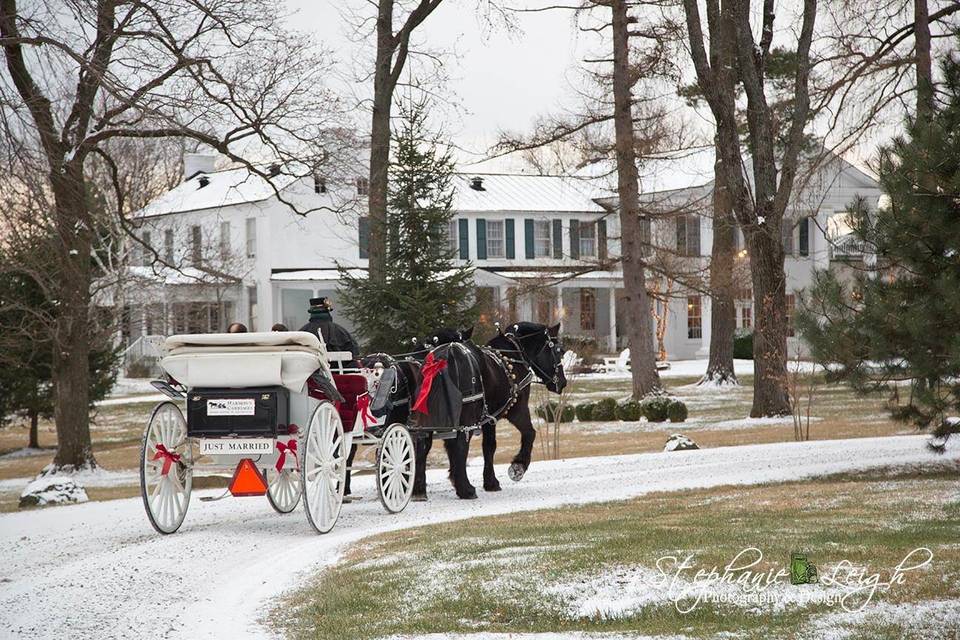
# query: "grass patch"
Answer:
x=501 y=574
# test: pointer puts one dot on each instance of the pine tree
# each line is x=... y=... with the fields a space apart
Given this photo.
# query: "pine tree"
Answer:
x=424 y=289
x=897 y=327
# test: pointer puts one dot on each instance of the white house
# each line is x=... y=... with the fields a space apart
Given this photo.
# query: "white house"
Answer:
x=544 y=247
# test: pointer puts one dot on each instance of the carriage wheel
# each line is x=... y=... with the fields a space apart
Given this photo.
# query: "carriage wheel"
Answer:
x=166 y=468
x=323 y=471
x=283 y=489
x=396 y=464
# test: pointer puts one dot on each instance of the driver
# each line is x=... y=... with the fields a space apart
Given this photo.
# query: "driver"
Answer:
x=321 y=323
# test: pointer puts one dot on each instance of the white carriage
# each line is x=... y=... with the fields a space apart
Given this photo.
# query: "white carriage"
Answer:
x=262 y=407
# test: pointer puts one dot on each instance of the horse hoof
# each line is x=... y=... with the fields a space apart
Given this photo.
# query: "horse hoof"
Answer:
x=493 y=486
x=516 y=471
x=468 y=495
x=419 y=497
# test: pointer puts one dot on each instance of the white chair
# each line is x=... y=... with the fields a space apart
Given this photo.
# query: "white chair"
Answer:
x=620 y=364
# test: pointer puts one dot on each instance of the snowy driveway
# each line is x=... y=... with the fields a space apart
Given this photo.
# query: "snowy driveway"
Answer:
x=98 y=570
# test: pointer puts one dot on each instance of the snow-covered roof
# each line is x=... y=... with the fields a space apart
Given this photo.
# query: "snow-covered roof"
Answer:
x=303 y=275
x=520 y=192
x=676 y=170
x=224 y=188
x=185 y=275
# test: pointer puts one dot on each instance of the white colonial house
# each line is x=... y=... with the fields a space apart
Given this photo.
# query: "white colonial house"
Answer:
x=544 y=247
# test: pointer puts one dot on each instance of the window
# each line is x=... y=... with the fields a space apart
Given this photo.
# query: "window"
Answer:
x=319 y=184
x=791 y=307
x=363 y=236
x=804 y=239
x=251 y=237
x=196 y=246
x=545 y=300
x=168 y=245
x=645 y=248
x=512 y=303
x=146 y=251
x=588 y=239
x=688 y=235
x=453 y=237
x=786 y=232
x=486 y=298
x=224 y=240
x=542 y=240
x=694 y=324
x=588 y=309
x=363 y=186
x=746 y=316
x=495 y=241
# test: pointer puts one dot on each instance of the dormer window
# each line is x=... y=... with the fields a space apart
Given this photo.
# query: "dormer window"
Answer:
x=319 y=184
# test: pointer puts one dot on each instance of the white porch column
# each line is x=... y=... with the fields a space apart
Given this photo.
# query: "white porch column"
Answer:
x=560 y=317
x=613 y=318
x=705 y=326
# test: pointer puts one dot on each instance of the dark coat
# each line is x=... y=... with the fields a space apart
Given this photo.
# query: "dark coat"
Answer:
x=336 y=337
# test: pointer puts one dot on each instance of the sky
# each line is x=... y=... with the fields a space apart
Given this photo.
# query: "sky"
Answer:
x=501 y=80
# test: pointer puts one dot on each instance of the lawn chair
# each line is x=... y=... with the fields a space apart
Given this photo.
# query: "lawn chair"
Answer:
x=620 y=364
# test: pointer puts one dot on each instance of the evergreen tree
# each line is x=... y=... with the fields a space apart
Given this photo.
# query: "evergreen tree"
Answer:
x=896 y=328
x=423 y=289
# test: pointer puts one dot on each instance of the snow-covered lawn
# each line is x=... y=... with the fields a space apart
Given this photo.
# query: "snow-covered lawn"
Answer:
x=99 y=570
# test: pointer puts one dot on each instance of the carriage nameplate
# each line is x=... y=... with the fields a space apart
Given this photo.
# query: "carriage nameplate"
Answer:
x=235 y=446
x=231 y=407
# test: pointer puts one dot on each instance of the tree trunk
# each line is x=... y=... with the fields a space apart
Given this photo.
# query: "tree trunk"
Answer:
x=380 y=144
x=643 y=361
x=921 y=16
x=723 y=315
x=71 y=354
x=34 y=430
x=770 y=393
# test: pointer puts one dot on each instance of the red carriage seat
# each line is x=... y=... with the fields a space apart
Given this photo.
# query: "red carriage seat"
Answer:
x=350 y=386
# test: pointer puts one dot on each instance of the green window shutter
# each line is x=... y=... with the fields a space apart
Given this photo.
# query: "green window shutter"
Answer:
x=557 y=239
x=481 y=239
x=509 y=238
x=528 y=238
x=363 y=236
x=464 y=238
x=575 y=239
x=805 y=236
x=682 y=235
x=602 y=239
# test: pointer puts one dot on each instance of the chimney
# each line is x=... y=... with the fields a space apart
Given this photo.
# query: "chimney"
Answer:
x=194 y=163
x=274 y=170
x=204 y=181
x=476 y=183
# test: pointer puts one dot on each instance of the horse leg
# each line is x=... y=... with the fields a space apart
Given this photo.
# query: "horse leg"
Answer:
x=422 y=444
x=457 y=449
x=346 y=484
x=490 y=482
x=519 y=416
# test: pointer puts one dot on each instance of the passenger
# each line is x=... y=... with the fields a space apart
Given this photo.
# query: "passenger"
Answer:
x=237 y=327
x=321 y=323
x=279 y=327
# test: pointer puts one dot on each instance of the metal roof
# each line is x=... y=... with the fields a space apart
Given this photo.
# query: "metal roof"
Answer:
x=522 y=192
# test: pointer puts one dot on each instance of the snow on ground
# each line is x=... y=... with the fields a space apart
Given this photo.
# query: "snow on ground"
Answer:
x=100 y=570
x=98 y=477
x=143 y=397
x=128 y=386
x=25 y=452
x=696 y=368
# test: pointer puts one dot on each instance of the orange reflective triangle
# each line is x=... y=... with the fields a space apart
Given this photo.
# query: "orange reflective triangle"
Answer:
x=247 y=480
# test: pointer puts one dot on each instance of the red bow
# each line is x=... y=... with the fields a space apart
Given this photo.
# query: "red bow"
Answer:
x=168 y=458
x=363 y=410
x=431 y=368
x=290 y=446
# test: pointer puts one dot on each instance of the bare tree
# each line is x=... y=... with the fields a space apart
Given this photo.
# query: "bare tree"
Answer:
x=82 y=74
x=760 y=210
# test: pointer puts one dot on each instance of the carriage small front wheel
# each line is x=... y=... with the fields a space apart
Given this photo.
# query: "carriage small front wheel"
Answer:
x=166 y=468
x=283 y=489
x=323 y=470
x=396 y=464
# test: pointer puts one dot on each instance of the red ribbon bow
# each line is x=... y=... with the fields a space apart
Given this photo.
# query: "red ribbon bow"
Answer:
x=290 y=446
x=363 y=410
x=168 y=458
x=431 y=368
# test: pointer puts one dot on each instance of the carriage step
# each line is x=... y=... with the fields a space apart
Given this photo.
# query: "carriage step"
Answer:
x=215 y=498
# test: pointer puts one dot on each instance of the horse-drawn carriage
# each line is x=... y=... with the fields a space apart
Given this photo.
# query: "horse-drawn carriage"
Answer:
x=277 y=412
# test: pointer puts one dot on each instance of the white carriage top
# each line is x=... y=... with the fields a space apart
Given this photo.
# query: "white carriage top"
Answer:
x=266 y=358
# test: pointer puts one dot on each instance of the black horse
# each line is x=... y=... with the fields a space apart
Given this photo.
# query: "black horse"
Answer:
x=506 y=366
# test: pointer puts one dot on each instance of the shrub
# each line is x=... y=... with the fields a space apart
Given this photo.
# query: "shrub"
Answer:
x=629 y=411
x=548 y=412
x=585 y=411
x=605 y=410
x=655 y=408
x=743 y=345
x=677 y=410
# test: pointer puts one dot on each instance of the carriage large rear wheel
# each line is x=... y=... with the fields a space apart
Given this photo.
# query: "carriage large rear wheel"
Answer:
x=166 y=468
x=323 y=470
x=396 y=464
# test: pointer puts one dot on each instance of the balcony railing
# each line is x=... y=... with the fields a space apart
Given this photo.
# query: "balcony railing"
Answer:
x=847 y=248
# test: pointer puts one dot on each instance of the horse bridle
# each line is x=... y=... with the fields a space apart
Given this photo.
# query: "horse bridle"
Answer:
x=531 y=361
